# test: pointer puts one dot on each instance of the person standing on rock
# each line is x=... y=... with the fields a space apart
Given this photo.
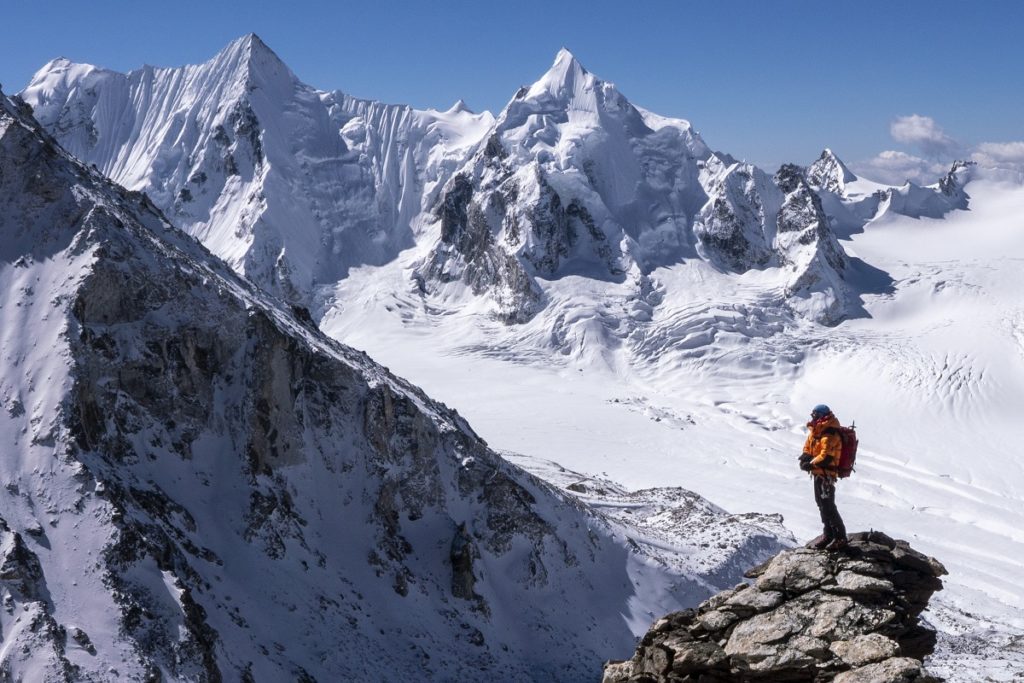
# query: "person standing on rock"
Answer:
x=821 y=459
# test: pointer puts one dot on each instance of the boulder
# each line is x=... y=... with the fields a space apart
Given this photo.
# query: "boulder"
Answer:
x=808 y=615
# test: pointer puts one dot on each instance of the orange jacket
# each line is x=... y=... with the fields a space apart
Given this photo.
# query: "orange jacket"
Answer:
x=824 y=446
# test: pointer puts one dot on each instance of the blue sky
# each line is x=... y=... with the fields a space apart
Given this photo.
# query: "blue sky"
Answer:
x=769 y=81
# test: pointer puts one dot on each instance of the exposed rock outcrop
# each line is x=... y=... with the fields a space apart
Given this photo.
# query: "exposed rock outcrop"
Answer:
x=32 y=638
x=808 y=615
x=736 y=226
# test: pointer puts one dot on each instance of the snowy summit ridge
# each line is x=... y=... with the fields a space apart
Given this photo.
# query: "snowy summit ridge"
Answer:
x=830 y=173
x=566 y=81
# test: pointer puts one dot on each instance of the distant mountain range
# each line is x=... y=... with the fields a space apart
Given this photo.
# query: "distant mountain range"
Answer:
x=294 y=187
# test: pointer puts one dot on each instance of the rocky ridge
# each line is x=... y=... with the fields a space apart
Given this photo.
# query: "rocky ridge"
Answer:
x=851 y=202
x=829 y=173
x=850 y=616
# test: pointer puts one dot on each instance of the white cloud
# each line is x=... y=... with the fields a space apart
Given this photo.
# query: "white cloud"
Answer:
x=999 y=154
x=935 y=153
x=895 y=168
x=923 y=133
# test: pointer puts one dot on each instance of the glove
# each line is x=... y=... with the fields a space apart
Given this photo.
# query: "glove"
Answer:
x=805 y=462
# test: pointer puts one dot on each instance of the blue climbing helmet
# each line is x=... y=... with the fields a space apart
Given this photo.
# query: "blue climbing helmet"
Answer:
x=819 y=411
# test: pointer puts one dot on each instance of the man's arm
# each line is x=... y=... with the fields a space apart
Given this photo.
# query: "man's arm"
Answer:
x=825 y=444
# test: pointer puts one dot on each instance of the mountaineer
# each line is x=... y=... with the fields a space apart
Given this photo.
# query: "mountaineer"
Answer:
x=820 y=458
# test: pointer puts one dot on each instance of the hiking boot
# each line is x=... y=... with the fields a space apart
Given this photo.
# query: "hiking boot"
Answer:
x=820 y=542
x=838 y=544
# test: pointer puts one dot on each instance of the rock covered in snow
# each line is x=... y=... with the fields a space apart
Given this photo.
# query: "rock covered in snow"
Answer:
x=676 y=527
x=575 y=180
x=829 y=173
x=809 y=615
x=736 y=228
x=553 y=191
x=33 y=639
x=952 y=184
x=810 y=252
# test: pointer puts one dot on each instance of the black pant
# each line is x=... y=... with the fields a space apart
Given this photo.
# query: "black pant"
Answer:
x=825 y=497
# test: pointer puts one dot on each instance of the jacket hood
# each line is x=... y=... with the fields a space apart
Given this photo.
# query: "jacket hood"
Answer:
x=821 y=424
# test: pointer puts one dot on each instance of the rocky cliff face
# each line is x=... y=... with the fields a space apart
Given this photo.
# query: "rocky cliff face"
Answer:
x=850 y=616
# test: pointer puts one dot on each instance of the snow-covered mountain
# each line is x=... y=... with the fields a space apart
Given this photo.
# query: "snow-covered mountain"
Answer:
x=289 y=185
x=851 y=202
x=575 y=180
x=199 y=485
x=829 y=173
x=294 y=187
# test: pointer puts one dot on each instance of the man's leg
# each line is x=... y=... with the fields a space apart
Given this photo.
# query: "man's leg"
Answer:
x=827 y=535
x=825 y=495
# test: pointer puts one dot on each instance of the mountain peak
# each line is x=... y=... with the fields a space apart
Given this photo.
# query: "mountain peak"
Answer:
x=254 y=39
x=249 y=44
x=829 y=173
x=564 y=55
x=254 y=61
x=830 y=157
x=460 y=107
x=566 y=76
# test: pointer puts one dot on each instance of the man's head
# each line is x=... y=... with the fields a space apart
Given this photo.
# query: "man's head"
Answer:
x=819 y=411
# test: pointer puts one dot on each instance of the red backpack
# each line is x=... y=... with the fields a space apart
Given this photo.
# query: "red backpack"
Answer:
x=848 y=456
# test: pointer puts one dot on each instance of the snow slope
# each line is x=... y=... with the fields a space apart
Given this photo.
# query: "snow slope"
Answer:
x=199 y=485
